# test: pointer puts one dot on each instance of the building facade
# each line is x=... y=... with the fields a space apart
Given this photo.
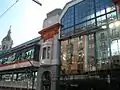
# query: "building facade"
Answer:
x=7 y=41
x=49 y=52
x=89 y=37
x=19 y=65
x=90 y=30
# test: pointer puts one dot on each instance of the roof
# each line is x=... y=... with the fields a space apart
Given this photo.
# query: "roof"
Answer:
x=23 y=45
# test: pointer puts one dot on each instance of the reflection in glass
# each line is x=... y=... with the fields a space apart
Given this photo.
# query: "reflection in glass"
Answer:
x=102 y=50
x=111 y=16
x=101 y=20
x=101 y=12
x=72 y=55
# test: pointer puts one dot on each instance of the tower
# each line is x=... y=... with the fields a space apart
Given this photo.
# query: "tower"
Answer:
x=7 y=41
x=48 y=72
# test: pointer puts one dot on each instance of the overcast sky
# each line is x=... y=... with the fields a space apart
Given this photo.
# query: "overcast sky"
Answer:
x=26 y=18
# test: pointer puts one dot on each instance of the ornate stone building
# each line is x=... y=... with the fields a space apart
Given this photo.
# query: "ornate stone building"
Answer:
x=7 y=41
x=49 y=52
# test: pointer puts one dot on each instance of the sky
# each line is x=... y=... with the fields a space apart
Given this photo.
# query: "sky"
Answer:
x=25 y=17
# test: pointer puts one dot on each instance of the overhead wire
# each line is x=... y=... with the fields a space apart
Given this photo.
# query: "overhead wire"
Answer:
x=8 y=9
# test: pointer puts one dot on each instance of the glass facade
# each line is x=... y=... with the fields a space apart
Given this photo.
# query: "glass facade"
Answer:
x=91 y=52
x=101 y=48
x=68 y=22
x=95 y=14
x=115 y=42
x=73 y=55
x=86 y=14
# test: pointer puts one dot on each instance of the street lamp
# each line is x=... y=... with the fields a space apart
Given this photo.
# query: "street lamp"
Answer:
x=36 y=1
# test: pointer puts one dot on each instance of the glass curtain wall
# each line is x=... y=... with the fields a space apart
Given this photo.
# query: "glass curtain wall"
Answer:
x=100 y=45
x=72 y=55
x=96 y=13
x=91 y=52
x=115 y=43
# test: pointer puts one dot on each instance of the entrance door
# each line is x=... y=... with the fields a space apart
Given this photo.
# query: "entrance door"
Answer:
x=46 y=81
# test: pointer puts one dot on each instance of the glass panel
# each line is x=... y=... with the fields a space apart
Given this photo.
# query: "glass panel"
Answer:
x=111 y=16
x=114 y=48
x=64 y=66
x=86 y=14
x=67 y=32
x=100 y=12
x=101 y=20
x=68 y=19
x=90 y=24
x=72 y=55
x=80 y=27
x=91 y=53
x=102 y=50
x=101 y=5
x=109 y=9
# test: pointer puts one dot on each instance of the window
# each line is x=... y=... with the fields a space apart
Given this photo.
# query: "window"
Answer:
x=48 y=53
x=92 y=36
x=114 y=32
x=109 y=9
x=111 y=16
x=103 y=46
x=90 y=24
x=101 y=20
x=102 y=35
x=104 y=55
x=68 y=18
x=89 y=37
x=92 y=45
x=89 y=45
x=101 y=5
x=100 y=12
x=70 y=49
x=44 y=53
x=67 y=32
x=86 y=14
x=81 y=37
